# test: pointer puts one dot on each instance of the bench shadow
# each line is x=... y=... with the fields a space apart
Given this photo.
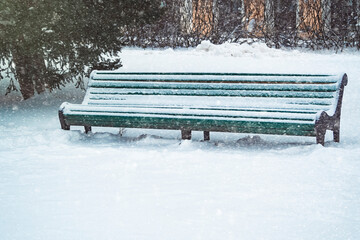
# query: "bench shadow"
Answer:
x=250 y=142
x=256 y=142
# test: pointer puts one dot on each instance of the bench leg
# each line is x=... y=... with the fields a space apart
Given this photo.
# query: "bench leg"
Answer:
x=336 y=133
x=186 y=134
x=336 y=130
x=87 y=129
x=320 y=136
x=64 y=126
x=320 y=139
x=206 y=136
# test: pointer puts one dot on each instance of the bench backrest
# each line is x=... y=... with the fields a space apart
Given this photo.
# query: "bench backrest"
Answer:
x=225 y=90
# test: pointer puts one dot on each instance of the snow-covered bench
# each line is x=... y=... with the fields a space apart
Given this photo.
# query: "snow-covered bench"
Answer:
x=282 y=104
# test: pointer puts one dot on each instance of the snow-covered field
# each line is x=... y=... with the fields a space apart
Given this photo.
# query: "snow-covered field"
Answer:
x=148 y=184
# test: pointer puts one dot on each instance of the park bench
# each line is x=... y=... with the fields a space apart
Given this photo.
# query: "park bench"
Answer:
x=280 y=104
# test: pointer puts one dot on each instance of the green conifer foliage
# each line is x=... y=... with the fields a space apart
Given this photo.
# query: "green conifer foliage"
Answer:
x=45 y=43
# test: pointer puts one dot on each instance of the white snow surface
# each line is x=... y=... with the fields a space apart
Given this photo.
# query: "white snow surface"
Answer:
x=149 y=184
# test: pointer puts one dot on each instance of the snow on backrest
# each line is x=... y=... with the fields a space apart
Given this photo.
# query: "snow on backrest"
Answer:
x=228 y=90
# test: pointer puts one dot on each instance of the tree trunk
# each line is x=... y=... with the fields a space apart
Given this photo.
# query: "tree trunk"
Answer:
x=26 y=83
x=39 y=73
x=30 y=72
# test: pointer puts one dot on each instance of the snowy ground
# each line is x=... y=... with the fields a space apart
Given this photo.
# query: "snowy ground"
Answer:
x=148 y=184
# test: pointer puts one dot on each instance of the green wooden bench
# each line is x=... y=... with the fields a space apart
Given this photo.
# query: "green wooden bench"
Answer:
x=281 y=104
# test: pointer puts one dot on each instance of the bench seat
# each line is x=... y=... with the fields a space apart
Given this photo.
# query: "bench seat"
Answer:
x=281 y=104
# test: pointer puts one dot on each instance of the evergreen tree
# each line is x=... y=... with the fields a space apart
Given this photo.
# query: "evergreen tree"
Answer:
x=46 y=43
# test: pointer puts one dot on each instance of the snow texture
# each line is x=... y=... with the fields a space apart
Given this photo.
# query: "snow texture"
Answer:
x=148 y=184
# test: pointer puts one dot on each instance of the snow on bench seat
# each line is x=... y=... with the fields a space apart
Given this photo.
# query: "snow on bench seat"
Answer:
x=282 y=104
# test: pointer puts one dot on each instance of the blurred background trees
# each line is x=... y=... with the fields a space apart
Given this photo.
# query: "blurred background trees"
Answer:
x=314 y=24
x=45 y=44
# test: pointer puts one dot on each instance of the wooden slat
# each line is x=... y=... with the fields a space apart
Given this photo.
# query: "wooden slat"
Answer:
x=215 y=78
x=205 y=113
x=107 y=73
x=228 y=93
x=206 y=101
x=150 y=107
x=228 y=80
x=224 y=125
x=106 y=85
x=300 y=120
